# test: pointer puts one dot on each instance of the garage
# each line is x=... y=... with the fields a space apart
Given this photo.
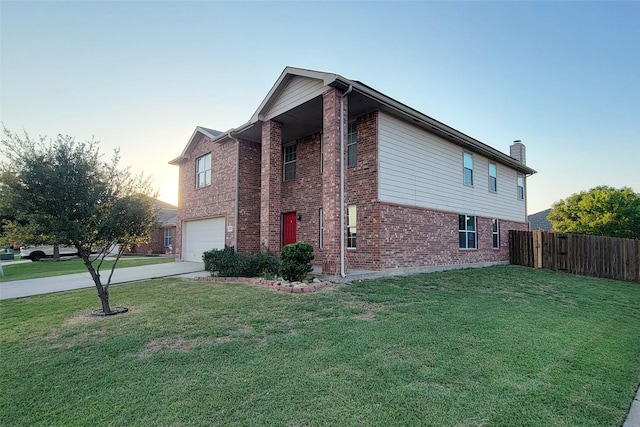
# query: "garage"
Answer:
x=201 y=236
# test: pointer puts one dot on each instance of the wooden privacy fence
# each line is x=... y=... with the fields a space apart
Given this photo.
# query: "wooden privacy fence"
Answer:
x=598 y=256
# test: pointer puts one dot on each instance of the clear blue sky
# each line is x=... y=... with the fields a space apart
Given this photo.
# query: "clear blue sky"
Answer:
x=564 y=77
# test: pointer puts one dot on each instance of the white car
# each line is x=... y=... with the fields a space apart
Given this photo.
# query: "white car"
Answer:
x=36 y=253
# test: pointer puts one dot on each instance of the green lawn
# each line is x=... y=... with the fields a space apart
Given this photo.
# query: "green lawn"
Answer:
x=35 y=270
x=501 y=346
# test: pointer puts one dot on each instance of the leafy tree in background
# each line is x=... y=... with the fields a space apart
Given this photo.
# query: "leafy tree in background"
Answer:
x=601 y=211
x=63 y=193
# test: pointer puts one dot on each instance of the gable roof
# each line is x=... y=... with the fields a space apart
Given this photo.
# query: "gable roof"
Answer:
x=195 y=137
x=539 y=221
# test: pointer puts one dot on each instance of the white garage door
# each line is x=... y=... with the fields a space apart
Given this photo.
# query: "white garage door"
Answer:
x=201 y=236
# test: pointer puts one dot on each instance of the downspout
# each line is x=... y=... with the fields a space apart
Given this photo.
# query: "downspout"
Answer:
x=235 y=235
x=342 y=254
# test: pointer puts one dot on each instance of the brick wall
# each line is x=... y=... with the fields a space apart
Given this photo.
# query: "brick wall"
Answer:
x=249 y=197
x=361 y=189
x=217 y=199
x=414 y=237
x=156 y=246
x=271 y=185
x=303 y=195
x=330 y=254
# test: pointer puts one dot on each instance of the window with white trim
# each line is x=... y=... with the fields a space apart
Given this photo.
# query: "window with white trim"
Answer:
x=495 y=232
x=167 y=237
x=320 y=229
x=203 y=171
x=520 y=187
x=352 y=139
x=351 y=226
x=468 y=168
x=289 y=162
x=321 y=152
x=467 y=231
x=493 y=177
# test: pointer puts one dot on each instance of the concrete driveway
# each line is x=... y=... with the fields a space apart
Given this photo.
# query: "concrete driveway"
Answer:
x=46 y=285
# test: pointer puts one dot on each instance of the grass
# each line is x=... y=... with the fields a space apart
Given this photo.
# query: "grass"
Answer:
x=35 y=270
x=500 y=346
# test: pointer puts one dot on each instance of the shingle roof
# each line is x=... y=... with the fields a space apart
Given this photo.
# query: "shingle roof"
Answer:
x=538 y=221
x=167 y=213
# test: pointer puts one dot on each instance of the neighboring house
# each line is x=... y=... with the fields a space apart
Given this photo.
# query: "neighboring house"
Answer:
x=539 y=221
x=371 y=183
x=163 y=237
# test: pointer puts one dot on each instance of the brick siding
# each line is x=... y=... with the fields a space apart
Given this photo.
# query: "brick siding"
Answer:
x=330 y=254
x=361 y=189
x=249 y=197
x=414 y=237
x=303 y=194
x=156 y=246
x=215 y=200
x=388 y=235
x=271 y=185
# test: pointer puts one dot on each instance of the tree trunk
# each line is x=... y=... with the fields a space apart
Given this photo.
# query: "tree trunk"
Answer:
x=56 y=252
x=103 y=291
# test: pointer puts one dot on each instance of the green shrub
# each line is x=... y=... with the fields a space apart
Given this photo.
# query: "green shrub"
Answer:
x=264 y=264
x=295 y=261
x=229 y=263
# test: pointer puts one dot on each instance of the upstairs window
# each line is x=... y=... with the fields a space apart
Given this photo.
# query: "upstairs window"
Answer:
x=352 y=138
x=467 y=231
x=493 y=177
x=290 y=162
x=351 y=226
x=520 y=187
x=203 y=171
x=468 y=169
x=495 y=231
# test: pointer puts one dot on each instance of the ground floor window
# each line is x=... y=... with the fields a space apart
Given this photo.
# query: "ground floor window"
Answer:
x=467 y=231
x=495 y=227
x=167 y=237
x=351 y=226
x=320 y=230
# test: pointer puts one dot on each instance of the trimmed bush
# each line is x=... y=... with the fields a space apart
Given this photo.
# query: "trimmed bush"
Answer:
x=295 y=261
x=229 y=263
x=264 y=264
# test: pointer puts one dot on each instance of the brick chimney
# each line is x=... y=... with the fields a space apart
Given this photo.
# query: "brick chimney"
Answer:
x=518 y=151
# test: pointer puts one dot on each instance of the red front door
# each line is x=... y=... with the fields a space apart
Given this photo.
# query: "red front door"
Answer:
x=288 y=228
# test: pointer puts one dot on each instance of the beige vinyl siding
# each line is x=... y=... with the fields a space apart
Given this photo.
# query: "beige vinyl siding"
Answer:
x=420 y=169
x=298 y=91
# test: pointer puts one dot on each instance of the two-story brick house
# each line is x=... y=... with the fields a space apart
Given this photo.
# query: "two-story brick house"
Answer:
x=371 y=183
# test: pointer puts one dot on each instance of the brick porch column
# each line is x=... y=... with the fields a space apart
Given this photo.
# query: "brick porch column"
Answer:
x=271 y=185
x=331 y=178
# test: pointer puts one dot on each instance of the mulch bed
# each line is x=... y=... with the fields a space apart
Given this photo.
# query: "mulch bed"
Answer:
x=114 y=311
x=271 y=284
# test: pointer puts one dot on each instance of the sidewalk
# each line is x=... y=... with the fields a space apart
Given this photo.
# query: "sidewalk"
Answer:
x=633 y=417
x=46 y=285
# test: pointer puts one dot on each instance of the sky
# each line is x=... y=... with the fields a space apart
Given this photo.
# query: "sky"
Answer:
x=563 y=77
